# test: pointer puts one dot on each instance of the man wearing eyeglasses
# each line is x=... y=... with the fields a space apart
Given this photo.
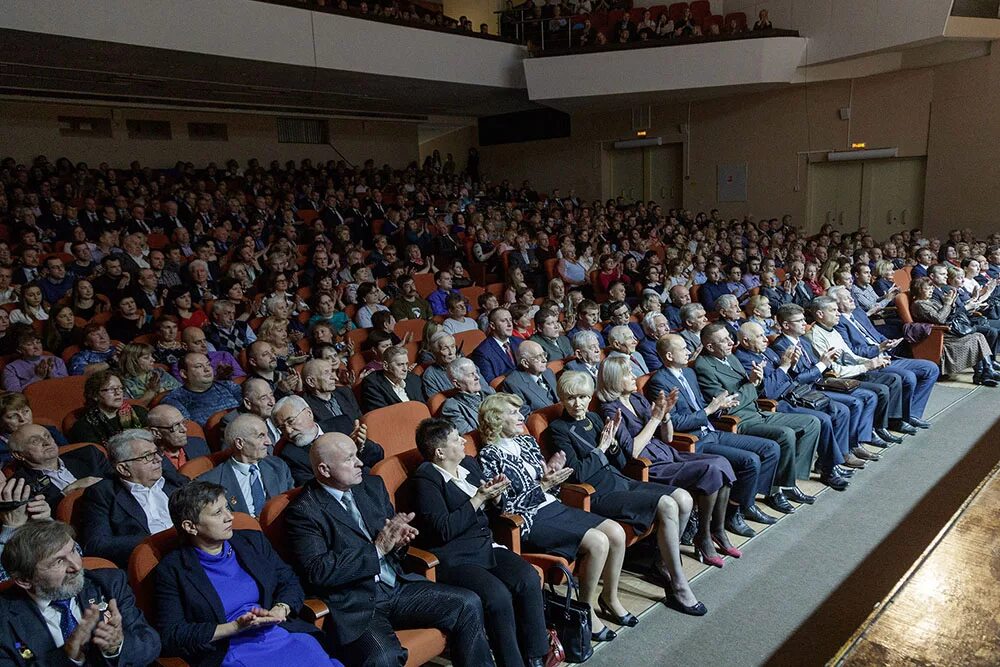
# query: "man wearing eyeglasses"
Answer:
x=37 y=461
x=169 y=429
x=116 y=514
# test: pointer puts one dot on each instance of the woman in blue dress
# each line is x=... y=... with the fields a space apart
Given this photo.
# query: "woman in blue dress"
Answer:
x=225 y=597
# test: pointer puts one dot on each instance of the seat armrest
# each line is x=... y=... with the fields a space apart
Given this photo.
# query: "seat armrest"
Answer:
x=727 y=423
x=684 y=442
x=419 y=561
x=638 y=468
x=170 y=662
x=507 y=531
x=767 y=404
x=313 y=611
x=577 y=495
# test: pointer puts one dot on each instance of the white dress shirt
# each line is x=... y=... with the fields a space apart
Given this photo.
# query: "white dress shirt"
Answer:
x=242 y=471
x=153 y=502
x=61 y=477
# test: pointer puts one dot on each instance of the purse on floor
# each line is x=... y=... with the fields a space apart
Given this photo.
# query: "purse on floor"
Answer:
x=570 y=618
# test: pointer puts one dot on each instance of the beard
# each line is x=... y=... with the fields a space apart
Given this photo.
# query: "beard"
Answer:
x=70 y=587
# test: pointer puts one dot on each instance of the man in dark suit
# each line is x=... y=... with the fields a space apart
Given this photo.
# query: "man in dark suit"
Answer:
x=117 y=514
x=334 y=407
x=730 y=314
x=523 y=257
x=348 y=542
x=753 y=459
x=393 y=384
x=718 y=371
x=549 y=334
x=532 y=381
x=693 y=320
x=58 y=613
x=169 y=429
x=250 y=476
x=587 y=352
x=655 y=326
x=680 y=296
x=495 y=355
x=37 y=461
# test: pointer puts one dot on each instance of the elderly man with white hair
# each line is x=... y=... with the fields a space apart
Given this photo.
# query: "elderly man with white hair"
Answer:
x=587 y=350
x=462 y=409
x=655 y=325
x=169 y=429
x=730 y=314
x=533 y=382
x=693 y=320
x=622 y=343
x=435 y=378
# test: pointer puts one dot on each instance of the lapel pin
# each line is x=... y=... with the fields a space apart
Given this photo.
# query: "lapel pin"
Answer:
x=25 y=652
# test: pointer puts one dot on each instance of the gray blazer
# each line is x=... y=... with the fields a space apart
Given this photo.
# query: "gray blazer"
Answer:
x=692 y=339
x=436 y=380
x=462 y=410
x=274 y=473
x=524 y=385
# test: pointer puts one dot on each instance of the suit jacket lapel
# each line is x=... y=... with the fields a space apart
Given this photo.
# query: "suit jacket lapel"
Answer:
x=337 y=511
x=29 y=626
x=125 y=499
x=692 y=379
x=230 y=481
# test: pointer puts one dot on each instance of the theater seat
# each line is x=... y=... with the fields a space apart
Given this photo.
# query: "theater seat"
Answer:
x=202 y=464
x=56 y=397
x=394 y=426
x=467 y=341
x=930 y=348
x=700 y=9
x=214 y=430
x=435 y=402
x=424 y=283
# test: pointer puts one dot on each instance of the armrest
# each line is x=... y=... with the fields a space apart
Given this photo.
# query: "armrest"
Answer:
x=170 y=662
x=767 y=404
x=507 y=531
x=638 y=469
x=684 y=442
x=313 y=611
x=420 y=561
x=727 y=423
x=577 y=495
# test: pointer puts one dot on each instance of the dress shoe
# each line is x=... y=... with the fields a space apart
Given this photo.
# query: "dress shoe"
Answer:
x=697 y=609
x=536 y=662
x=865 y=455
x=737 y=526
x=628 y=620
x=887 y=436
x=779 y=502
x=727 y=549
x=918 y=423
x=690 y=530
x=852 y=461
x=846 y=473
x=879 y=442
x=605 y=635
x=795 y=493
x=714 y=561
x=986 y=382
x=902 y=427
x=834 y=481
x=755 y=514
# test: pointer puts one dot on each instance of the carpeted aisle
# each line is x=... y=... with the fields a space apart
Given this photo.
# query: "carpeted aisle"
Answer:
x=804 y=585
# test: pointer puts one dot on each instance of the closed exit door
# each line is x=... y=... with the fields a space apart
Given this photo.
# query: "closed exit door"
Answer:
x=655 y=172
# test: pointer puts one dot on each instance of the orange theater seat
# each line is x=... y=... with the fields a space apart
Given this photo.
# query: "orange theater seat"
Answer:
x=56 y=397
x=394 y=426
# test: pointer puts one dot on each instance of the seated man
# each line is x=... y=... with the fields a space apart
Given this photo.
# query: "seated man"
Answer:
x=655 y=326
x=258 y=399
x=262 y=363
x=588 y=316
x=37 y=461
x=68 y=615
x=863 y=291
x=463 y=408
x=201 y=396
x=533 y=381
x=435 y=378
x=299 y=430
x=495 y=355
x=777 y=293
x=32 y=365
x=334 y=406
x=620 y=315
x=225 y=332
x=224 y=364
x=395 y=383
x=917 y=375
x=549 y=334
x=250 y=476
x=587 y=350
x=347 y=541
x=693 y=320
x=116 y=514
x=754 y=459
x=713 y=288
x=169 y=429
x=680 y=296
x=97 y=354
x=409 y=305
x=730 y=314
x=719 y=371
x=438 y=298
x=622 y=343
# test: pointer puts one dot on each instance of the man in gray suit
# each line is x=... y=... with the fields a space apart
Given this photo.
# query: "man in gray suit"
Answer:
x=463 y=408
x=549 y=334
x=436 y=378
x=693 y=320
x=532 y=381
x=250 y=476
x=623 y=343
x=587 y=350
x=720 y=371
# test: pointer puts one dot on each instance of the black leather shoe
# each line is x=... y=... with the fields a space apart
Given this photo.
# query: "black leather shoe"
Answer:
x=986 y=382
x=628 y=620
x=879 y=442
x=536 y=662
x=834 y=481
x=846 y=473
x=795 y=493
x=697 y=609
x=755 y=514
x=918 y=423
x=903 y=427
x=887 y=436
x=864 y=454
x=779 y=502
x=736 y=525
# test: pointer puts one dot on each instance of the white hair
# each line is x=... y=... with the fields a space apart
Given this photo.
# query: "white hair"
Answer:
x=727 y=301
x=120 y=444
x=584 y=339
x=459 y=367
x=619 y=334
x=649 y=321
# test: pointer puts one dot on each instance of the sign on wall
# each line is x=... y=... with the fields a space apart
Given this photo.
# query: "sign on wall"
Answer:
x=732 y=182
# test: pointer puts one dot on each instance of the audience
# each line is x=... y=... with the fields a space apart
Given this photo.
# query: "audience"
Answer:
x=170 y=435
x=462 y=408
x=107 y=411
x=33 y=364
x=201 y=395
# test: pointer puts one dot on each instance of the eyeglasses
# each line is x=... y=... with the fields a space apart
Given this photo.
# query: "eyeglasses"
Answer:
x=112 y=390
x=179 y=427
x=291 y=420
x=148 y=457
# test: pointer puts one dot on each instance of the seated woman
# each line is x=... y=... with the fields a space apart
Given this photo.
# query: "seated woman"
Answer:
x=329 y=310
x=232 y=290
x=168 y=348
x=32 y=365
x=237 y=573
x=593 y=452
x=30 y=308
x=85 y=304
x=141 y=378
x=970 y=350
x=548 y=525
x=15 y=412
x=275 y=331
x=451 y=495
x=181 y=305
x=370 y=299
x=758 y=311
x=705 y=476
x=570 y=269
x=107 y=412
x=279 y=307
x=128 y=321
x=377 y=343
x=60 y=330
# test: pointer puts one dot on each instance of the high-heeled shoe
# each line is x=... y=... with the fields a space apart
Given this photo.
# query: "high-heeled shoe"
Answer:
x=715 y=561
x=605 y=635
x=727 y=549
x=697 y=609
x=629 y=620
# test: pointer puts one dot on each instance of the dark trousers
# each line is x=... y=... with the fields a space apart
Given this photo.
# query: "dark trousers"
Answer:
x=511 y=594
x=796 y=435
x=889 y=388
x=754 y=461
x=455 y=611
x=834 y=428
x=918 y=377
x=862 y=404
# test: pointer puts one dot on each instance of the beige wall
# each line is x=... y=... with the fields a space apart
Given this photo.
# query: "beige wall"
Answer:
x=32 y=128
x=457 y=143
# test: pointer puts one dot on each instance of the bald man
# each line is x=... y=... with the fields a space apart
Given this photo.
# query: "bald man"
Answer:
x=347 y=543
x=532 y=381
x=37 y=461
x=169 y=429
x=224 y=364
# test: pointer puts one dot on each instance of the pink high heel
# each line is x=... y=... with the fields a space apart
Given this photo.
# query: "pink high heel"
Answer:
x=728 y=550
x=715 y=561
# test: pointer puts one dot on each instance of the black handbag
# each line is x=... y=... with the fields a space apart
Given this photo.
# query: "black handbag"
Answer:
x=804 y=396
x=961 y=323
x=570 y=618
x=841 y=385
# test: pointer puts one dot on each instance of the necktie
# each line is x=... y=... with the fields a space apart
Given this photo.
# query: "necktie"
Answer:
x=386 y=573
x=545 y=387
x=506 y=348
x=256 y=490
x=691 y=396
x=864 y=332
x=67 y=623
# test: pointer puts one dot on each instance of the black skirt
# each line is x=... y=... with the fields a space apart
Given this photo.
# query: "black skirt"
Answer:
x=635 y=506
x=558 y=530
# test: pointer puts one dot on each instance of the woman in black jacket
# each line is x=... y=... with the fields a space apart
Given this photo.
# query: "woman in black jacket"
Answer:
x=225 y=596
x=450 y=495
